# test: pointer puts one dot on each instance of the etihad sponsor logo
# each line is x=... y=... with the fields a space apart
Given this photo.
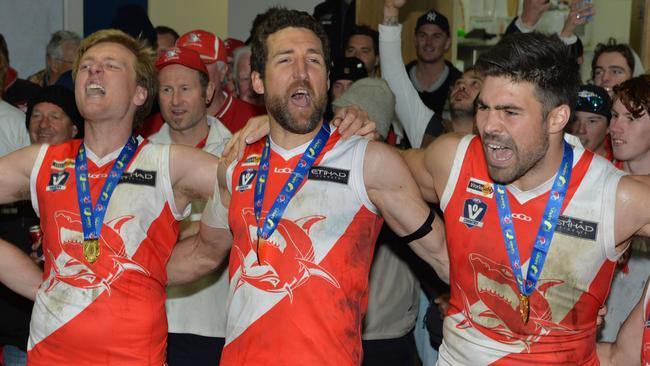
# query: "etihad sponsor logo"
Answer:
x=481 y=188
x=57 y=181
x=578 y=228
x=246 y=180
x=327 y=174
x=62 y=164
x=139 y=177
x=473 y=212
x=251 y=160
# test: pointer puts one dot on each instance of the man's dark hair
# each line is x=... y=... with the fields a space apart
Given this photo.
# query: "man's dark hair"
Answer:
x=276 y=19
x=161 y=29
x=3 y=48
x=364 y=30
x=635 y=95
x=542 y=60
x=612 y=46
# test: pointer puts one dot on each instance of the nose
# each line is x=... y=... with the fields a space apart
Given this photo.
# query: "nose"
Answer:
x=615 y=125
x=490 y=121
x=96 y=68
x=300 y=69
x=581 y=128
x=44 y=122
x=176 y=98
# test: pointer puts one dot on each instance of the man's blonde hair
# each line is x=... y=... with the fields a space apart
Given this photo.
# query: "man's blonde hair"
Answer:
x=145 y=72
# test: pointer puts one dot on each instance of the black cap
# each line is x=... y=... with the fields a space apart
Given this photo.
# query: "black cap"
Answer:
x=61 y=97
x=435 y=18
x=348 y=68
x=594 y=99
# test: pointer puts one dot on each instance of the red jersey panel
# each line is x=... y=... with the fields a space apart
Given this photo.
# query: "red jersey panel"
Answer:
x=483 y=325
x=110 y=312
x=303 y=304
x=234 y=113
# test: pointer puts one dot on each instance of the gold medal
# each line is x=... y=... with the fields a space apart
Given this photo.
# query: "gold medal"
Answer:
x=91 y=250
x=524 y=308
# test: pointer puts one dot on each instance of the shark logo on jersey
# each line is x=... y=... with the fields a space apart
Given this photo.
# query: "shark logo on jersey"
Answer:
x=495 y=304
x=70 y=266
x=286 y=259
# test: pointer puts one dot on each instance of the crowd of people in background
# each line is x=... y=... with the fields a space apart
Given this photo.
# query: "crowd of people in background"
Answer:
x=399 y=212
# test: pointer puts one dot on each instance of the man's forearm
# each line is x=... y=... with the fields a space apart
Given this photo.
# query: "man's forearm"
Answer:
x=19 y=272
x=198 y=255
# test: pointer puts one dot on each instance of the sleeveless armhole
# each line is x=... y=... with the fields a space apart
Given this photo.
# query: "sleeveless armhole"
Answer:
x=34 y=176
x=357 y=182
x=461 y=151
x=612 y=178
x=646 y=297
x=166 y=184
x=229 y=171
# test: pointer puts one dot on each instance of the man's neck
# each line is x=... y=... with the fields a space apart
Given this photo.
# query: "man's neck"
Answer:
x=428 y=73
x=545 y=169
x=191 y=136
x=105 y=137
x=216 y=103
x=289 y=140
x=463 y=124
x=638 y=166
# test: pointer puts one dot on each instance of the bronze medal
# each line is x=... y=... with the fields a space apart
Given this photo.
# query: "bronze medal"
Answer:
x=91 y=250
x=524 y=308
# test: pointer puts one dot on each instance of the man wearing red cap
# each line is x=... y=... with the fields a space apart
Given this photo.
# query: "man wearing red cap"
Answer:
x=231 y=111
x=195 y=337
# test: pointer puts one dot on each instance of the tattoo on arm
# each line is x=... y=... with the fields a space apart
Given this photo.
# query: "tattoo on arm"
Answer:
x=391 y=20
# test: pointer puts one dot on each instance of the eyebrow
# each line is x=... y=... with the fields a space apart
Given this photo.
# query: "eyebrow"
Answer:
x=292 y=51
x=499 y=107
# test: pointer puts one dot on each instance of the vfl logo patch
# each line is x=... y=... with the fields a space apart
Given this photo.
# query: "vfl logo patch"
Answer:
x=479 y=187
x=251 y=160
x=139 y=177
x=57 y=181
x=246 y=180
x=62 y=164
x=473 y=212
x=577 y=228
x=324 y=173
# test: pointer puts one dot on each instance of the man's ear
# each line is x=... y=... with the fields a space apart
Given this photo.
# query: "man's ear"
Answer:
x=258 y=83
x=209 y=92
x=558 y=118
x=140 y=95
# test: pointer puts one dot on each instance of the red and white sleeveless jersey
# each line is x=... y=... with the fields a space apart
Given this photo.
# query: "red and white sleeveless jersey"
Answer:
x=483 y=325
x=304 y=303
x=111 y=312
x=645 y=344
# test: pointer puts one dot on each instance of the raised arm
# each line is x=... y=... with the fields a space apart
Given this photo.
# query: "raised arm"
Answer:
x=409 y=108
x=626 y=350
x=19 y=272
x=15 y=170
x=194 y=175
x=397 y=197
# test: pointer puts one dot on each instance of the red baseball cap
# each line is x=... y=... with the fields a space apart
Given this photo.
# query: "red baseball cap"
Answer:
x=181 y=56
x=232 y=44
x=210 y=47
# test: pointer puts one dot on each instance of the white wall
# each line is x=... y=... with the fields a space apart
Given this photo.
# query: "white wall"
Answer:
x=27 y=27
x=242 y=12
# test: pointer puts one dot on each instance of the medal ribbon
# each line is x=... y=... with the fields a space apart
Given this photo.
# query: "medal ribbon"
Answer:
x=93 y=219
x=546 y=228
x=292 y=184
